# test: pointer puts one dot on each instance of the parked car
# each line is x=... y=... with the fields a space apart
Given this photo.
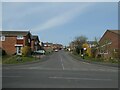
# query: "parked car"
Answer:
x=40 y=52
x=56 y=50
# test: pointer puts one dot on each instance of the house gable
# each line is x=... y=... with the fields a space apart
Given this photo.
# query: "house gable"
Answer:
x=111 y=38
x=109 y=44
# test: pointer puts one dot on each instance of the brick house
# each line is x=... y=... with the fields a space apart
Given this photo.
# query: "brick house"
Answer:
x=35 y=43
x=57 y=46
x=48 y=46
x=91 y=43
x=13 y=41
x=110 y=44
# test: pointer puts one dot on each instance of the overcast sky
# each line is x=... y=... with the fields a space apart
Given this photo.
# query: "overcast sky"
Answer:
x=60 y=22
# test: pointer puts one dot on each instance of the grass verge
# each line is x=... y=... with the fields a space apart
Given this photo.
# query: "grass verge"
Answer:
x=90 y=59
x=0 y=59
x=16 y=59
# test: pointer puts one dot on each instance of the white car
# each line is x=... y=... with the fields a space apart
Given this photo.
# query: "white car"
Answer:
x=40 y=51
x=56 y=50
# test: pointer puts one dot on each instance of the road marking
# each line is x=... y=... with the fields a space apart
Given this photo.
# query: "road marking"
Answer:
x=73 y=78
x=70 y=69
x=62 y=63
x=11 y=76
x=85 y=63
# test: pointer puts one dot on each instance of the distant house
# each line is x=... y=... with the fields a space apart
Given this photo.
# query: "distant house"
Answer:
x=13 y=41
x=35 y=43
x=57 y=46
x=110 y=44
x=48 y=46
x=91 y=43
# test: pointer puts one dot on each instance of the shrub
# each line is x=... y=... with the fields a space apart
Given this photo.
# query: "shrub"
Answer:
x=77 y=50
x=113 y=60
x=26 y=51
x=2 y=52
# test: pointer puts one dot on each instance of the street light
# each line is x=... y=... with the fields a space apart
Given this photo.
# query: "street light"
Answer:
x=84 y=49
x=83 y=52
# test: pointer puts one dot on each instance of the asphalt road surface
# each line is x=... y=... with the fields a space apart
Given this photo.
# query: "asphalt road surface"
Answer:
x=60 y=70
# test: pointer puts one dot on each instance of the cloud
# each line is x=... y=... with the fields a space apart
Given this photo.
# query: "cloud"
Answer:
x=20 y=11
x=21 y=14
x=25 y=12
x=62 y=19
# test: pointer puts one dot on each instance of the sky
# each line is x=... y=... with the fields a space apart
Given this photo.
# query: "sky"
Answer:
x=60 y=22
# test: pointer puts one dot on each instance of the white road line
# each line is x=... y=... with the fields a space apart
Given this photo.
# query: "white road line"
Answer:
x=11 y=76
x=73 y=69
x=62 y=63
x=73 y=78
x=85 y=63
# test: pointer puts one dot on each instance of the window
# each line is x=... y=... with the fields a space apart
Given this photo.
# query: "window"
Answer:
x=115 y=50
x=19 y=37
x=109 y=43
x=2 y=38
x=28 y=40
x=35 y=43
x=103 y=51
x=19 y=50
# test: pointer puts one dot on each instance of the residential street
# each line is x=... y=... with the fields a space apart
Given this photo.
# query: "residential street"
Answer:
x=60 y=70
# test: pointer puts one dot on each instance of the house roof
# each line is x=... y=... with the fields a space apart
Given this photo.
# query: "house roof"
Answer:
x=48 y=43
x=14 y=33
x=115 y=31
x=34 y=37
x=90 y=42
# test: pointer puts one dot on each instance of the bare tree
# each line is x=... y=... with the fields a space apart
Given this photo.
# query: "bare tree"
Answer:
x=78 y=42
x=96 y=49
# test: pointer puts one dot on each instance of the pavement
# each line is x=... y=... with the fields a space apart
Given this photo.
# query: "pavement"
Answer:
x=93 y=62
x=59 y=70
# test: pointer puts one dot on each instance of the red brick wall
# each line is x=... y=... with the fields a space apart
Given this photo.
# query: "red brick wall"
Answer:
x=20 y=41
x=114 y=38
x=9 y=45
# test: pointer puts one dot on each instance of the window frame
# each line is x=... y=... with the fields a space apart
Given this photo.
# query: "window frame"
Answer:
x=2 y=38
x=20 y=37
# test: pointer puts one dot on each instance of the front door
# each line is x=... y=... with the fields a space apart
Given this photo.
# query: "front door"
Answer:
x=19 y=51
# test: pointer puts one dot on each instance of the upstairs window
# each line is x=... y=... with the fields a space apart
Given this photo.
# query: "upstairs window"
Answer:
x=2 y=38
x=19 y=37
x=116 y=50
